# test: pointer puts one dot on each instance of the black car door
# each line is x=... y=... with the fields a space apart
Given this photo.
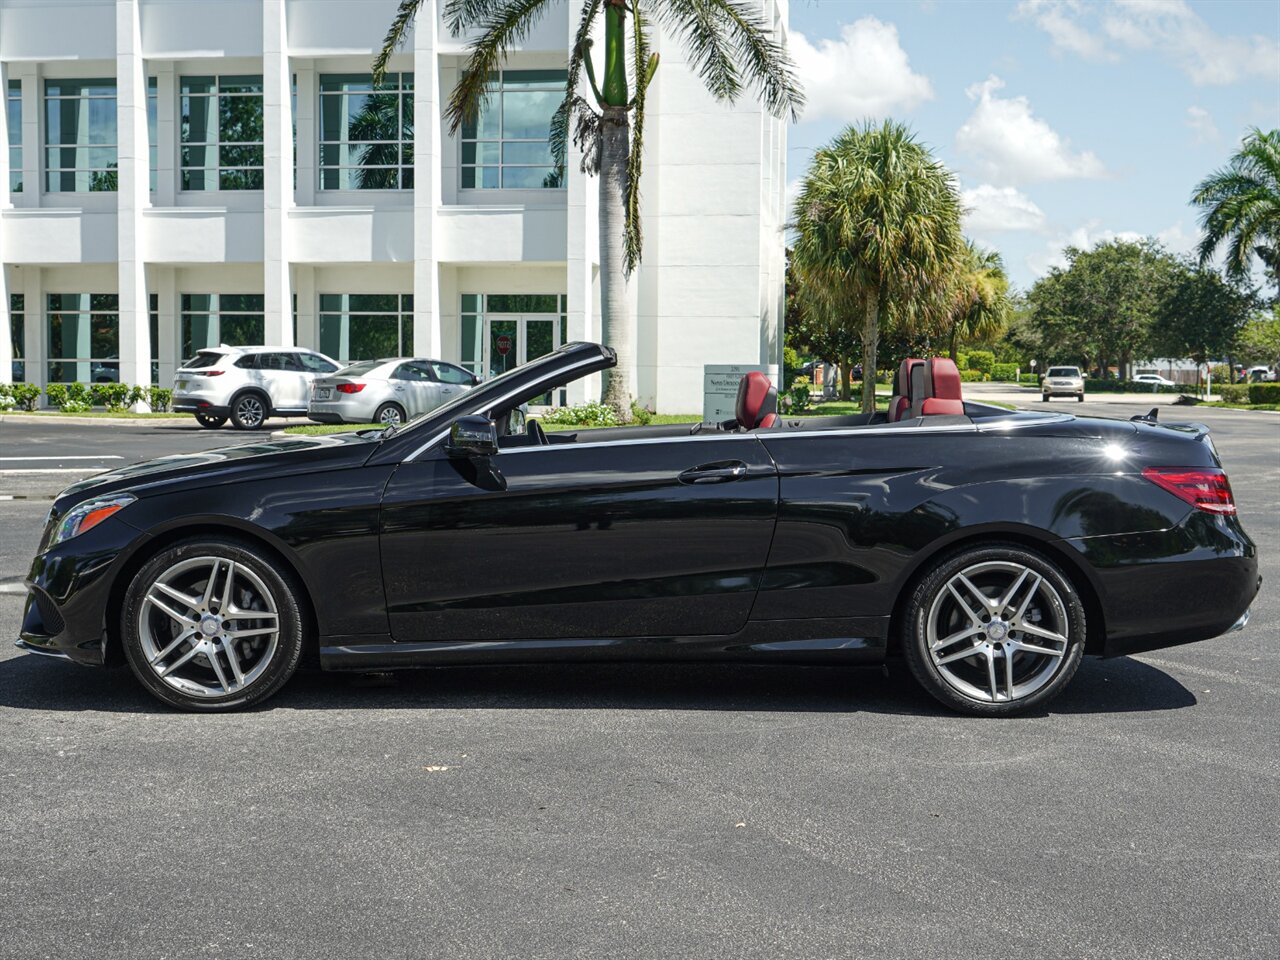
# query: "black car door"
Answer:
x=629 y=538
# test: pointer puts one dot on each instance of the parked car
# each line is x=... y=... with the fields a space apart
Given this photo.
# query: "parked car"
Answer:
x=1062 y=381
x=1155 y=379
x=247 y=384
x=1261 y=375
x=990 y=549
x=391 y=390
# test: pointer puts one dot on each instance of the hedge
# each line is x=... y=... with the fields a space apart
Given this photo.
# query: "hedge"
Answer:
x=1237 y=393
x=982 y=360
x=1004 y=372
x=22 y=396
x=1264 y=393
x=1131 y=386
x=1029 y=380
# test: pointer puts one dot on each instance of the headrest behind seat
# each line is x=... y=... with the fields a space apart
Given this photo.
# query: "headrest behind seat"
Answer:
x=943 y=395
x=757 y=404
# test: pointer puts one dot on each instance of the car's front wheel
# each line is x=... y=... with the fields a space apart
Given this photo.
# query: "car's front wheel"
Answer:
x=994 y=630
x=210 y=422
x=1044 y=398
x=249 y=411
x=209 y=624
x=1080 y=397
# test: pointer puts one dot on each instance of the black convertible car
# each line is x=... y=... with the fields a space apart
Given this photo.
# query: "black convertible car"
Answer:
x=991 y=550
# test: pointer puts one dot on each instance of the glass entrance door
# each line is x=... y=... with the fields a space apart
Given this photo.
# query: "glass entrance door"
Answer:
x=512 y=339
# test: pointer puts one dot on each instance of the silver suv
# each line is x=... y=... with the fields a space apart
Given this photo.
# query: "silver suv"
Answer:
x=1062 y=382
x=247 y=384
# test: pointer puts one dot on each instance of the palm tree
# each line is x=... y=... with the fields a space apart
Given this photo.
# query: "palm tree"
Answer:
x=978 y=298
x=1241 y=205
x=878 y=234
x=728 y=43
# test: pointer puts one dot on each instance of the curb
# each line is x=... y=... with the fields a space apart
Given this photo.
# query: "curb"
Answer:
x=89 y=421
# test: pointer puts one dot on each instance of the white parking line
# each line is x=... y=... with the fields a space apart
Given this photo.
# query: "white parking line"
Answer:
x=105 y=456
x=18 y=473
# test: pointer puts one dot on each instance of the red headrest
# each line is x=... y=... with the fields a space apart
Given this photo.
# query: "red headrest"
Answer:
x=946 y=378
x=756 y=399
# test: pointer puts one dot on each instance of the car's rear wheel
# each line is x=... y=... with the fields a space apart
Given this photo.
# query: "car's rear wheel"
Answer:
x=210 y=422
x=389 y=414
x=249 y=411
x=210 y=624
x=994 y=630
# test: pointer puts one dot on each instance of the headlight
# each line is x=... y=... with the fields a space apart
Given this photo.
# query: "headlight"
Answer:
x=87 y=515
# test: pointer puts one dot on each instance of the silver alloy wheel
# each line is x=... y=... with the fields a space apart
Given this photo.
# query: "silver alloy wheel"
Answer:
x=995 y=632
x=391 y=415
x=250 y=412
x=203 y=613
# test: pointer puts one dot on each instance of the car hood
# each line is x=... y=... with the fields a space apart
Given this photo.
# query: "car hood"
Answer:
x=277 y=457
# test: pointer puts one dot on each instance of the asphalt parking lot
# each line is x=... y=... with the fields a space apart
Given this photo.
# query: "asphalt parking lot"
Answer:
x=643 y=811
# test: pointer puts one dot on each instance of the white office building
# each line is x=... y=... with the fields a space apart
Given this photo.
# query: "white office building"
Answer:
x=183 y=173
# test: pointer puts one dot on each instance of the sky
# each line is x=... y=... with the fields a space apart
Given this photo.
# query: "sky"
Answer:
x=1065 y=121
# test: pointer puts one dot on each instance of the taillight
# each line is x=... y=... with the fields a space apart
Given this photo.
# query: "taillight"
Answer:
x=208 y=373
x=1205 y=488
x=350 y=387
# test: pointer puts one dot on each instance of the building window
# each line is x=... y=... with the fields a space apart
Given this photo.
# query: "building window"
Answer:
x=210 y=319
x=18 y=335
x=80 y=136
x=500 y=331
x=14 y=100
x=83 y=335
x=505 y=145
x=153 y=316
x=222 y=133
x=153 y=114
x=366 y=132
x=363 y=326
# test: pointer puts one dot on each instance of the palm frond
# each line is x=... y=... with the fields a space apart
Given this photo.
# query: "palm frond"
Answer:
x=406 y=13
x=764 y=60
x=1241 y=205
x=569 y=114
x=502 y=24
x=701 y=27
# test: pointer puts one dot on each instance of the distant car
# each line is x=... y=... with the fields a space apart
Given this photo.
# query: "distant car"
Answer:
x=247 y=384
x=391 y=390
x=1261 y=375
x=1062 y=382
x=1153 y=378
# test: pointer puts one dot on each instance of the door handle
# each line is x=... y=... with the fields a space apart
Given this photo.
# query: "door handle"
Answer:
x=724 y=471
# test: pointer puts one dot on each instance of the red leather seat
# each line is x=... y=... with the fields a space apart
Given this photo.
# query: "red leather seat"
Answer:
x=943 y=391
x=757 y=404
x=900 y=402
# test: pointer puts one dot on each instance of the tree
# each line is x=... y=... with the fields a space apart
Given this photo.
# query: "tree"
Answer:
x=978 y=297
x=1200 y=315
x=1259 y=340
x=1101 y=307
x=1241 y=206
x=878 y=230
x=730 y=46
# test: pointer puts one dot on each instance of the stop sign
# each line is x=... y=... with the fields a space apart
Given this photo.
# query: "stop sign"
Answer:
x=503 y=345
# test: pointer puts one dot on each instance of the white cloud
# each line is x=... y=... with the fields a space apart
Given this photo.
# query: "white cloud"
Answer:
x=865 y=73
x=1169 y=28
x=997 y=209
x=1202 y=126
x=1012 y=145
x=1091 y=233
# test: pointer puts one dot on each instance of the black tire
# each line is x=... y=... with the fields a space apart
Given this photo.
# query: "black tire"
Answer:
x=387 y=410
x=1040 y=676
x=276 y=661
x=1044 y=398
x=1080 y=398
x=249 y=411
x=210 y=422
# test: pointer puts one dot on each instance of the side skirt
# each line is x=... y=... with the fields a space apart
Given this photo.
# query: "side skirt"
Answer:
x=828 y=640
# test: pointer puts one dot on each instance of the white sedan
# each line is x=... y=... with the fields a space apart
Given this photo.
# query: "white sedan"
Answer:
x=1153 y=378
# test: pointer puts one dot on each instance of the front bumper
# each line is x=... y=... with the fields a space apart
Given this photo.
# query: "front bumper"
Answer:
x=1162 y=588
x=1062 y=390
x=69 y=593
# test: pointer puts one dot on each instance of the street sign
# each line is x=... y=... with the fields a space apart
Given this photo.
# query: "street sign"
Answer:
x=720 y=388
x=502 y=345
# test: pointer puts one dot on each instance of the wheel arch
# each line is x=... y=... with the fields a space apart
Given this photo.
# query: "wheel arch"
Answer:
x=1069 y=561
x=212 y=527
x=251 y=388
x=404 y=412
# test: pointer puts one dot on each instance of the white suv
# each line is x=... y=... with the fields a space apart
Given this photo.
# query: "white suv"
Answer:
x=247 y=384
x=1062 y=382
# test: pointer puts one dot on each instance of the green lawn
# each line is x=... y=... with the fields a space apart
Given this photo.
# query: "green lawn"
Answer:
x=1239 y=406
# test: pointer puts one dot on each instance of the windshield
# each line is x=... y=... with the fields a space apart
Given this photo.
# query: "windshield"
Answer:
x=360 y=369
x=1064 y=371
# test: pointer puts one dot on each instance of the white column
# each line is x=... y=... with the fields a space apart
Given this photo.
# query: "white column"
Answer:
x=6 y=333
x=308 y=323
x=32 y=147
x=427 y=335
x=308 y=139
x=133 y=195
x=33 y=343
x=167 y=133
x=277 y=122
x=6 y=347
x=4 y=142
x=166 y=283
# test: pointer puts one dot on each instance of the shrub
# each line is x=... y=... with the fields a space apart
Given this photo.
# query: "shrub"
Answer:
x=1237 y=393
x=1004 y=372
x=6 y=397
x=790 y=366
x=25 y=395
x=69 y=397
x=982 y=360
x=972 y=376
x=77 y=406
x=584 y=414
x=1094 y=385
x=1029 y=380
x=160 y=398
x=113 y=396
x=640 y=415
x=1264 y=393
x=962 y=361
x=799 y=394
x=58 y=394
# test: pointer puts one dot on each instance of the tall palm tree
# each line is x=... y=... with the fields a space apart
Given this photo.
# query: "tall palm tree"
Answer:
x=1241 y=205
x=979 y=304
x=878 y=233
x=728 y=43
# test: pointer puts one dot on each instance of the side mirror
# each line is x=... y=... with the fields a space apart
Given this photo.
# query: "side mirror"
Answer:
x=472 y=437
